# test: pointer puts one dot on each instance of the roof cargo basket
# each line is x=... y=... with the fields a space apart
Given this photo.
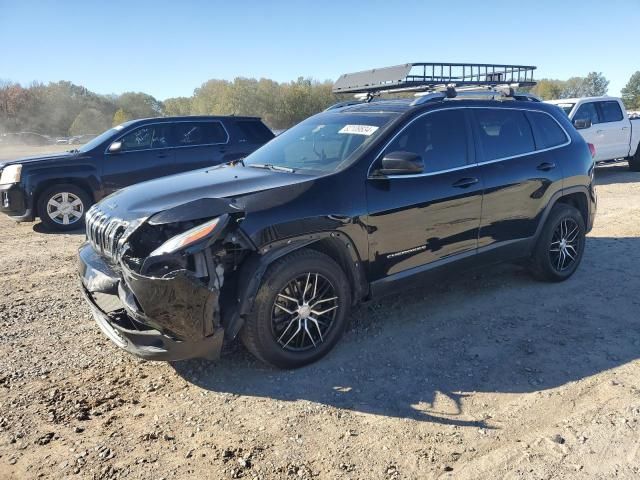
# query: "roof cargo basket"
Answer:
x=420 y=77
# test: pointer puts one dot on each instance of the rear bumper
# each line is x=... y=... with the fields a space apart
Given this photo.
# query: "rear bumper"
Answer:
x=153 y=318
x=14 y=202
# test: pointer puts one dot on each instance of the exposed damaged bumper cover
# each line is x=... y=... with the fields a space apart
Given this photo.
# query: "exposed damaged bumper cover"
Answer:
x=167 y=318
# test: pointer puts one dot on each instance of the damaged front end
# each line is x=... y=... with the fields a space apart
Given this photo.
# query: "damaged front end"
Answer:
x=157 y=286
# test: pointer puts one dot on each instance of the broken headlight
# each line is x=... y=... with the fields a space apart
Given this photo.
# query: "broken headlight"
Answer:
x=187 y=238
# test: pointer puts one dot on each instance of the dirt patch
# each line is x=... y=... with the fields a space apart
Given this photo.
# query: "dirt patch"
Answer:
x=491 y=375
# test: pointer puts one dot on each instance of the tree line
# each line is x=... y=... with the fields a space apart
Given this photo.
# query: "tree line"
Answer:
x=63 y=108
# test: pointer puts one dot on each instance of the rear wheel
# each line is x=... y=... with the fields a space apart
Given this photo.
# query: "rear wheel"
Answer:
x=634 y=162
x=560 y=245
x=300 y=311
x=63 y=207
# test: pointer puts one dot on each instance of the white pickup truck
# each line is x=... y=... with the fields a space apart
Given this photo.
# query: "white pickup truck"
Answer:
x=603 y=122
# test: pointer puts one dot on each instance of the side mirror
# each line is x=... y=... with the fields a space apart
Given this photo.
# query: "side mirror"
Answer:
x=115 y=147
x=401 y=163
x=581 y=124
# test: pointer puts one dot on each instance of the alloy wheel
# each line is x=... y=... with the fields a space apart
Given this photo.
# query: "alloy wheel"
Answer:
x=565 y=244
x=304 y=312
x=65 y=208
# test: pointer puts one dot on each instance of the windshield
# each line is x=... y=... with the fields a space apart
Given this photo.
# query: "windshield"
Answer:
x=323 y=143
x=567 y=107
x=103 y=137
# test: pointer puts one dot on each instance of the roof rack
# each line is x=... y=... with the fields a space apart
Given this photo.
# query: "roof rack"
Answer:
x=420 y=77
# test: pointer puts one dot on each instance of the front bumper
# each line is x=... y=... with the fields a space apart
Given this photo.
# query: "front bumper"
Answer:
x=14 y=202
x=153 y=318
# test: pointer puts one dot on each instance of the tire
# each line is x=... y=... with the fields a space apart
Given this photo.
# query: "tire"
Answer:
x=71 y=215
x=547 y=262
x=634 y=162
x=269 y=329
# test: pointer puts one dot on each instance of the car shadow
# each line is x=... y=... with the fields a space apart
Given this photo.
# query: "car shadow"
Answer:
x=422 y=354
x=42 y=228
x=615 y=173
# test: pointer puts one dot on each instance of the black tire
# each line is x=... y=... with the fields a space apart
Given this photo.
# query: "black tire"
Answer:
x=74 y=218
x=546 y=262
x=260 y=334
x=634 y=162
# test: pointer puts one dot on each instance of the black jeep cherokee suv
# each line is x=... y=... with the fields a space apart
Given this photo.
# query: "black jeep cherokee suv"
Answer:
x=60 y=188
x=349 y=204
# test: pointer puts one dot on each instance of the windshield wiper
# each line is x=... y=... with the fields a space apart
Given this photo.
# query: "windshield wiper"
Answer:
x=75 y=150
x=269 y=166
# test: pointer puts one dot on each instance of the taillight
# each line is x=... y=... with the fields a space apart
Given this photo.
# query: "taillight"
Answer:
x=592 y=149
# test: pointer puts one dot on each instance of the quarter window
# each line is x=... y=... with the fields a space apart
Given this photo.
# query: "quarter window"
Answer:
x=503 y=133
x=587 y=111
x=144 y=138
x=199 y=133
x=611 y=111
x=254 y=131
x=546 y=130
x=440 y=138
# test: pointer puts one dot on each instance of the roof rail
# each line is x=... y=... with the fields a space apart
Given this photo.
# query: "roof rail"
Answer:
x=432 y=77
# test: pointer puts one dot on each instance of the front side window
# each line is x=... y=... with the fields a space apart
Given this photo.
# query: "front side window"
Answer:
x=439 y=138
x=547 y=132
x=566 y=107
x=587 y=111
x=611 y=111
x=503 y=133
x=145 y=138
x=321 y=144
x=199 y=133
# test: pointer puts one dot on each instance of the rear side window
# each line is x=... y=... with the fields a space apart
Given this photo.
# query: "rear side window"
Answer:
x=546 y=131
x=440 y=138
x=611 y=111
x=587 y=111
x=503 y=133
x=199 y=133
x=254 y=131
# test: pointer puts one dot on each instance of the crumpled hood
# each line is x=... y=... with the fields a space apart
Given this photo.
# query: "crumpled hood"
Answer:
x=230 y=182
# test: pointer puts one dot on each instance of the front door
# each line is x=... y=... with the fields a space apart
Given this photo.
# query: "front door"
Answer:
x=145 y=154
x=418 y=219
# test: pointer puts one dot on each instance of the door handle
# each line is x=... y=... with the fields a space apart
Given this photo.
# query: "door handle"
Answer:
x=625 y=128
x=162 y=155
x=546 y=166
x=465 y=182
x=599 y=131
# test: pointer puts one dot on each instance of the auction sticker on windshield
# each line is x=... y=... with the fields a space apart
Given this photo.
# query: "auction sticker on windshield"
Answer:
x=359 y=129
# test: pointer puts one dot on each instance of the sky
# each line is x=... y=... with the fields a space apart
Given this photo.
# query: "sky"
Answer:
x=169 y=48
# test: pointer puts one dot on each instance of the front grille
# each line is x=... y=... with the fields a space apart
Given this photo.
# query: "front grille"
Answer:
x=104 y=232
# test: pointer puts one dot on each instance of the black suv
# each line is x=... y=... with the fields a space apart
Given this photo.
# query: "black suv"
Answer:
x=351 y=203
x=60 y=188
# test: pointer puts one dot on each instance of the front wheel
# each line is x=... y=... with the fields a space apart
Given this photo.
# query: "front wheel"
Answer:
x=560 y=246
x=300 y=311
x=63 y=207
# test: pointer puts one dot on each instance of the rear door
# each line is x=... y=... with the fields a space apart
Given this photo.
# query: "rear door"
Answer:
x=423 y=218
x=199 y=144
x=614 y=128
x=146 y=154
x=519 y=178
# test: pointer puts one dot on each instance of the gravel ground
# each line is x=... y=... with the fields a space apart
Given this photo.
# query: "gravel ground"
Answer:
x=492 y=375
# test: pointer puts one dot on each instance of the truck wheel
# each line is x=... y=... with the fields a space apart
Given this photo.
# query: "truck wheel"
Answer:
x=62 y=207
x=560 y=246
x=300 y=311
x=634 y=162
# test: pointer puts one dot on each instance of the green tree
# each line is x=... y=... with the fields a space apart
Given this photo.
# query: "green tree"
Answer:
x=120 y=117
x=177 y=106
x=90 y=120
x=595 y=85
x=631 y=92
x=548 y=89
x=139 y=105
